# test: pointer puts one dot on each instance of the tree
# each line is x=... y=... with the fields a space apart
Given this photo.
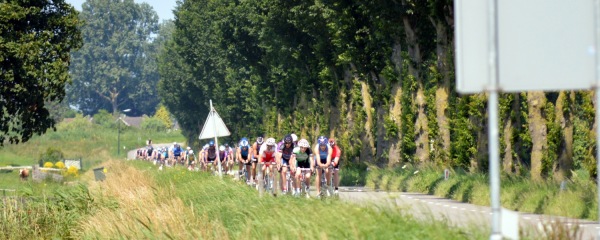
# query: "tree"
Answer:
x=163 y=114
x=36 y=39
x=114 y=68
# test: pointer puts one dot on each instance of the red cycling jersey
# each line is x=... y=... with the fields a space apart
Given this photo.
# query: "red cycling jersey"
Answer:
x=268 y=156
x=335 y=152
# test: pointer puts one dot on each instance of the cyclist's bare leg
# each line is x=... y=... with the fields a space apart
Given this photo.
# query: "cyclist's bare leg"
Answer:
x=283 y=183
x=336 y=178
x=318 y=180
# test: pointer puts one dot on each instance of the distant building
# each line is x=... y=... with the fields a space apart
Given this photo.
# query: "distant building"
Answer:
x=135 y=122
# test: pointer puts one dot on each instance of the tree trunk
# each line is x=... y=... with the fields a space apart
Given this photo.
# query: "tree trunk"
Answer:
x=565 y=119
x=421 y=130
x=537 y=127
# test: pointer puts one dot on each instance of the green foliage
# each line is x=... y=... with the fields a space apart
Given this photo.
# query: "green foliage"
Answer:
x=554 y=138
x=105 y=119
x=116 y=67
x=163 y=115
x=36 y=40
x=51 y=155
x=153 y=124
x=51 y=215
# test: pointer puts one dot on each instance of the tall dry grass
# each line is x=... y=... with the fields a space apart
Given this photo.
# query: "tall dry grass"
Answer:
x=134 y=207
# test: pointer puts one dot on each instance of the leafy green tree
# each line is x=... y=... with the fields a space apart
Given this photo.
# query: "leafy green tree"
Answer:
x=36 y=39
x=115 y=68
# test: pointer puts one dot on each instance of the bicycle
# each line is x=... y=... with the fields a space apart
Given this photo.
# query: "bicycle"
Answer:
x=303 y=185
x=267 y=178
x=289 y=182
x=329 y=188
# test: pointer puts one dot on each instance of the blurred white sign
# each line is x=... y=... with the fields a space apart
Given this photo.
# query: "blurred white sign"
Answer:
x=545 y=45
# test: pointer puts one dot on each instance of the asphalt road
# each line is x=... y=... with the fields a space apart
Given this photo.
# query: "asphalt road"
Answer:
x=468 y=216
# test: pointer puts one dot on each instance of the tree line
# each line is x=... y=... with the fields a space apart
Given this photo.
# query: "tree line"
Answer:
x=377 y=75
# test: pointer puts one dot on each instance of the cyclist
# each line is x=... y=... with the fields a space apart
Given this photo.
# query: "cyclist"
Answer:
x=285 y=153
x=336 y=153
x=323 y=159
x=223 y=158
x=244 y=157
x=177 y=154
x=191 y=160
x=294 y=139
x=210 y=154
x=149 y=151
x=255 y=152
x=303 y=161
x=266 y=156
x=230 y=158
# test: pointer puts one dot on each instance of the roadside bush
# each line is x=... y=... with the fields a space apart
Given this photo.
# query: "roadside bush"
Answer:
x=51 y=155
x=105 y=119
x=48 y=165
x=153 y=124
x=80 y=122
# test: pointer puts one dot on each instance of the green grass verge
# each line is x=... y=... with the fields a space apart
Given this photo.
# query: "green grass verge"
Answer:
x=245 y=215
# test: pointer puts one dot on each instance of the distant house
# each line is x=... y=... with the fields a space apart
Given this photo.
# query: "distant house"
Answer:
x=135 y=122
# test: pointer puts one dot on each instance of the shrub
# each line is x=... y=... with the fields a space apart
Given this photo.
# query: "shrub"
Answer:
x=80 y=122
x=153 y=124
x=51 y=155
x=105 y=119
x=48 y=165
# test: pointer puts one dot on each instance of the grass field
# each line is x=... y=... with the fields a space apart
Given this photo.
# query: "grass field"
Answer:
x=78 y=139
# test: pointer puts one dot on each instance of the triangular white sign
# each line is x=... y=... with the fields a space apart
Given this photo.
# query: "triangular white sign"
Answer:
x=214 y=127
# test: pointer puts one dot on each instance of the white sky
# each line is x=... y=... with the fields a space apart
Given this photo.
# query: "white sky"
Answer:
x=164 y=8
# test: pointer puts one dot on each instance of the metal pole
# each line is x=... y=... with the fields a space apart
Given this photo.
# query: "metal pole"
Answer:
x=216 y=141
x=119 y=137
x=493 y=121
x=597 y=92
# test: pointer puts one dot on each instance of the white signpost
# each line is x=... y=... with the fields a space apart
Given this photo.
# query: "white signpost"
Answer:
x=525 y=45
x=214 y=127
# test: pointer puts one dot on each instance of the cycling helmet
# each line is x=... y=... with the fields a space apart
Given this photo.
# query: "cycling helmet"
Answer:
x=205 y=147
x=189 y=148
x=303 y=143
x=191 y=151
x=244 y=139
x=271 y=142
x=294 y=137
x=211 y=143
x=331 y=141
x=222 y=148
x=259 y=140
x=226 y=145
x=288 y=139
x=322 y=140
x=244 y=143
